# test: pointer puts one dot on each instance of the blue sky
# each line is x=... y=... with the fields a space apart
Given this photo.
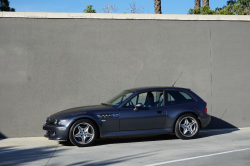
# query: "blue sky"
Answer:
x=77 y=6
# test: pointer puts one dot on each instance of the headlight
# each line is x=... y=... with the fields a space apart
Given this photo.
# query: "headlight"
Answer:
x=58 y=122
x=61 y=122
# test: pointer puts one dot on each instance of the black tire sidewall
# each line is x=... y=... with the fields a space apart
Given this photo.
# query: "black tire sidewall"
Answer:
x=177 y=131
x=71 y=137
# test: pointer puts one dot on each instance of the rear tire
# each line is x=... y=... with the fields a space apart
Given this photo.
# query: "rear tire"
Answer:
x=83 y=133
x=187 y=126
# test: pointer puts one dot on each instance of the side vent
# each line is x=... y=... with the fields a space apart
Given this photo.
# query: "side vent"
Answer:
x=105 y=116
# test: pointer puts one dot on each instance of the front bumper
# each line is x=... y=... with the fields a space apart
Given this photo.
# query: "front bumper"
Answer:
x=56 y=132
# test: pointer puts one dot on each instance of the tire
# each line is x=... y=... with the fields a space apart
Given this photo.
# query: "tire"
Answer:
x=83 y=133
x=187 y=126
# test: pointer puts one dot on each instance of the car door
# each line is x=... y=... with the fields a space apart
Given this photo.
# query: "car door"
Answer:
x=151 y=116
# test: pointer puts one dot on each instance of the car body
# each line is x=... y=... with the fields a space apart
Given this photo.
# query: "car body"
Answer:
x=136 y=111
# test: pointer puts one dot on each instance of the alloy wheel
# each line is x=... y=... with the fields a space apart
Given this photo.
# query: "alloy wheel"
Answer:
x=83 y=133
x=188 y=126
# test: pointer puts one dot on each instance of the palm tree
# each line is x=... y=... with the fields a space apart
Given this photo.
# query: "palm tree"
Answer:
x=205 y=3
x=197 y=4
x=157 y=6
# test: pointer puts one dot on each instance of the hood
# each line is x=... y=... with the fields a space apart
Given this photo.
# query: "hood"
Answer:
x=76 y=110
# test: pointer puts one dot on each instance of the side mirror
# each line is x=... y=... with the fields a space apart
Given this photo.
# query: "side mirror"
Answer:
x=137 y=106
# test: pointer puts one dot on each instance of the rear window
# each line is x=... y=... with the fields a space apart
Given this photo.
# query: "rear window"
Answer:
x=178 y=97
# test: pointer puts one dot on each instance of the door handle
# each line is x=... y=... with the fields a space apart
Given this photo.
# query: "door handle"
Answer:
x=159 y=112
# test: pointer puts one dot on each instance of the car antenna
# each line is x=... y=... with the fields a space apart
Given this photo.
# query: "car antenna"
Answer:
x=177 y=79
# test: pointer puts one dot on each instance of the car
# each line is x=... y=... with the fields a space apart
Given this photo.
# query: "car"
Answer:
x=136 y=111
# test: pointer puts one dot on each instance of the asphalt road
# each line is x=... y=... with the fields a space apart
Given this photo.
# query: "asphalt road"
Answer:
x=227 y=147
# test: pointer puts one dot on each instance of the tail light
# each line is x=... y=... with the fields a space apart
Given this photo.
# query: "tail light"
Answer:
x=205 y=110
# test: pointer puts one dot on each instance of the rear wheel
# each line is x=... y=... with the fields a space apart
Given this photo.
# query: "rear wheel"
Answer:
x=187 y=126
x=83 y=133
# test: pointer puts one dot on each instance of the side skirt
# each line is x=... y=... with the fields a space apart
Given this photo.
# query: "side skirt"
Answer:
x=138 y=132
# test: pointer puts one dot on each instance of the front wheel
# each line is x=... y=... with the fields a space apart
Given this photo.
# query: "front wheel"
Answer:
x=83 y=133
x=187 y=126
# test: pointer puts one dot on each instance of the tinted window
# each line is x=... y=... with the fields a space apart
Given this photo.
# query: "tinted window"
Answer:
x=120 y=98
x=148 y=99
x=131 y=103
x=178 y=97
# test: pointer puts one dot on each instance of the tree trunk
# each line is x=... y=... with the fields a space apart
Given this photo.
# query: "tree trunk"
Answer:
x=157 y=6
x=197 y=4
x=205 y=3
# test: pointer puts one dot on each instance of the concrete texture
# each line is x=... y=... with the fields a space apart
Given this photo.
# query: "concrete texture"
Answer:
x=226 y=147
x=47 y=65
x=25 y=143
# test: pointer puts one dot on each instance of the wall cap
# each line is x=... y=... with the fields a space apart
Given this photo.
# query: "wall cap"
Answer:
x=121 y=16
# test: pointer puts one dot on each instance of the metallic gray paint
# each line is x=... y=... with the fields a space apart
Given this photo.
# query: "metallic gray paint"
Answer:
x=121 y=121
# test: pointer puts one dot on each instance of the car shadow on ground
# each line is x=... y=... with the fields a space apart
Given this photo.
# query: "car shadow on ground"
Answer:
x=131 y=139
x=218 y=123
x=2 y=136
x=222 y=127
x=217 y=126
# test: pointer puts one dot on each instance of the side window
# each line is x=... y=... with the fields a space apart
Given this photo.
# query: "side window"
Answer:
x=148 y=99
x=186 y=95
x=158 y=98
x=131 y=103
x=142 y=98
x=178 y=97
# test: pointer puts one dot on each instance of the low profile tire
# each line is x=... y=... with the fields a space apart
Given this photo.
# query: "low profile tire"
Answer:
x=187 y=126
x=83 y=133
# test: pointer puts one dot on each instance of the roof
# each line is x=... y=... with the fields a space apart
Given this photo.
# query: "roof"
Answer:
x=154 y=88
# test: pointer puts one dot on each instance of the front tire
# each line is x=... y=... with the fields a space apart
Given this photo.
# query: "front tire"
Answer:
x=187 y=126
x=83 y=133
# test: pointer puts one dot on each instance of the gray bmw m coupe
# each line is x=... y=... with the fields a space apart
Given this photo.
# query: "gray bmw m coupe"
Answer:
x=136 y=111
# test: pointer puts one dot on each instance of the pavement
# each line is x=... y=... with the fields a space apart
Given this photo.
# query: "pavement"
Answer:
x=211 y=147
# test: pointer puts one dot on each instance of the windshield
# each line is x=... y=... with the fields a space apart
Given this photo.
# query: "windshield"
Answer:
x=119 y=99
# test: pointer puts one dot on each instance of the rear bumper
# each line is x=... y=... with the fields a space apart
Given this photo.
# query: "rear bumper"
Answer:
x=56 y=132
x=205 y=120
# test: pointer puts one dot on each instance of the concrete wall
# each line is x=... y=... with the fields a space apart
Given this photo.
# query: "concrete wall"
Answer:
x=47 y=65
